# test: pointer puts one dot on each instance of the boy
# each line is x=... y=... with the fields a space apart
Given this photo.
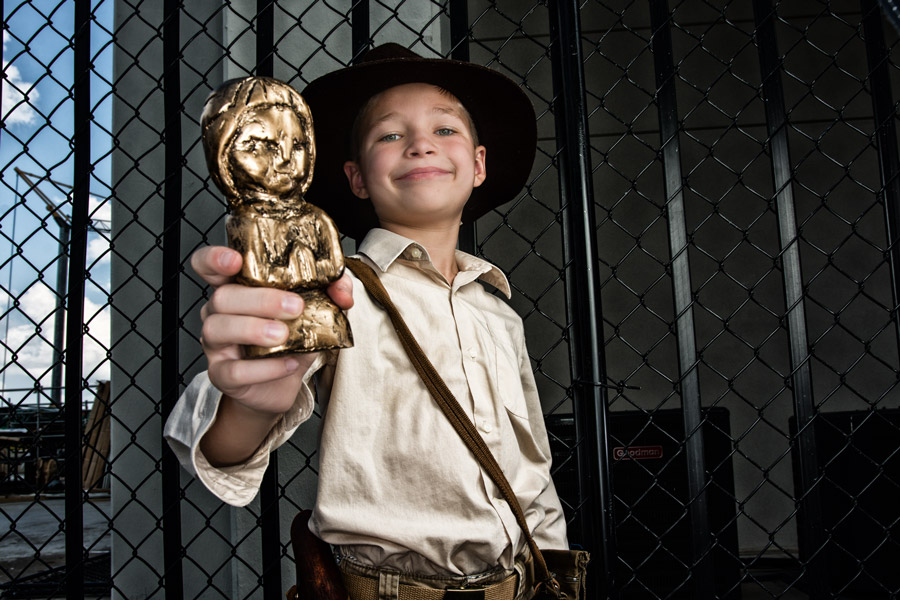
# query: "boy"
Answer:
x=400 y=496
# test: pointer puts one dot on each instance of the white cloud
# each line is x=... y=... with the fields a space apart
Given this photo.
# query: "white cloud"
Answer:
x=33 y=343
x=34 y=349
x=38 y=302
x=98 y=247
x=19 y=98
x=33 y=352
x=15 y=90
x=100 y=209
x=96 y=342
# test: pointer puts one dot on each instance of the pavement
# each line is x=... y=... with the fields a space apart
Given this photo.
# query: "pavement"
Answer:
x=32 y=533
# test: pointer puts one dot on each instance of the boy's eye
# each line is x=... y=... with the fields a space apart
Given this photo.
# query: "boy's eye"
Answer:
x=445 y=131
x=391 y=137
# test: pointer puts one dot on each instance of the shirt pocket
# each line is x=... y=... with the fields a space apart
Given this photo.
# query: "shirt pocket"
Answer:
x=509 y=381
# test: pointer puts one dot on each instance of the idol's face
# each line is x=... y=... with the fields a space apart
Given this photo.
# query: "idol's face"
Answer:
x=270 y=153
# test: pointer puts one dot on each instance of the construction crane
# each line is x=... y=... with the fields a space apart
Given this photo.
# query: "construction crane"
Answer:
x=65 y=225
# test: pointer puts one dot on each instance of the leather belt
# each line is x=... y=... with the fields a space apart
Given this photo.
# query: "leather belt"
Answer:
x=361 y=587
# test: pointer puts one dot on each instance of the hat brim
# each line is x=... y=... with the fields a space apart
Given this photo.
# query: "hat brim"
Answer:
x=502 y=113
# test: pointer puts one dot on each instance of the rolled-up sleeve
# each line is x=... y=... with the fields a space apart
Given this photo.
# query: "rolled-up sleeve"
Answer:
x=194 y=414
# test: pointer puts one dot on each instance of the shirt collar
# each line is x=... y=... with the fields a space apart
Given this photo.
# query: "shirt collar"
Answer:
x=383 y=247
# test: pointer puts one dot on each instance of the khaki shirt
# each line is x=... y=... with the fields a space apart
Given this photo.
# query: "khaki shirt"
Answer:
x=397 y=486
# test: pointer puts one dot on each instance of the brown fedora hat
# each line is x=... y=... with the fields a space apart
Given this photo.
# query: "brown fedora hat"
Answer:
x=503 y=116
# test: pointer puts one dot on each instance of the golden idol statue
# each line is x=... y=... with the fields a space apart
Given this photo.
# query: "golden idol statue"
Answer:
x=260 y=149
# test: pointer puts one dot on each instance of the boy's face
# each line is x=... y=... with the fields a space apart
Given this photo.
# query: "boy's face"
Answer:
x=418 y=162
x=269 y=152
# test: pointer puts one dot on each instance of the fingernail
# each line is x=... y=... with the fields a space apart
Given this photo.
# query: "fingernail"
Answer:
x=291 y=364
x=292 y=304
x=275 y=331
x=228 y=259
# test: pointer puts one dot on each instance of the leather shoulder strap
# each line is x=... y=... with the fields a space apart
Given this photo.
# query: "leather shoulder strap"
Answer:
x=449 y=405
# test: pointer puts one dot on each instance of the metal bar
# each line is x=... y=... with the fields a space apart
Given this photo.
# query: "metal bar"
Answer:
x=81 y=179
x=886 y=136
x=265 y=38
x=59 y=319
x=170 y=380
x=269 y=497
x=810 y=507
x=269 y=518
x=360 y=29
x=585 y=314
x=459 y=29
x=702 y=574
x=459 y=50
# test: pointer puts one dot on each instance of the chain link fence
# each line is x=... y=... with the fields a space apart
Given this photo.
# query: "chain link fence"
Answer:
x=705 y=259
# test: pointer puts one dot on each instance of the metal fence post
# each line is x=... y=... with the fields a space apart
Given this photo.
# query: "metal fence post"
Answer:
x=886 y=136
x=807 y=496
x=170 y=382
x=81 y=179
x=360 y=30
x=269 y=491
x=459 y=50
x=689 y=381
x=588 y=363
x=265 y=38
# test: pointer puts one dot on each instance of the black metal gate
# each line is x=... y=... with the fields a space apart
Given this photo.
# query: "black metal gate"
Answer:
x=705 y=258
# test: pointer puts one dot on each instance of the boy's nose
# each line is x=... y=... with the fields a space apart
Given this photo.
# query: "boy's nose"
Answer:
x=419 y=145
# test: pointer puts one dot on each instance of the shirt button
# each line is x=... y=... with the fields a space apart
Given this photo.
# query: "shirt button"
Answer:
x=415 y=253
x=472 y=353
x=486 y=427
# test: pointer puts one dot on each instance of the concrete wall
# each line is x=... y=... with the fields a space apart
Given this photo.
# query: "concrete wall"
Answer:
x=136 y=276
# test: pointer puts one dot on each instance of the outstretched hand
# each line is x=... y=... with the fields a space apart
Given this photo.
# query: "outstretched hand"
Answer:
x=239 y=315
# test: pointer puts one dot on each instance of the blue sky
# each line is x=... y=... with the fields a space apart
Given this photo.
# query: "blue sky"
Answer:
x=37 y=111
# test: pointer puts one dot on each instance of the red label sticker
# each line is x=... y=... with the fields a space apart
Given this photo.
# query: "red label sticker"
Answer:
x=637 y=452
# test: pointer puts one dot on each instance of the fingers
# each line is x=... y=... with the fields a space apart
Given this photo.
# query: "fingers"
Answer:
x=221 y=331
x=341 y=291
x=234 y=376
x=268 y=385
x=264 y=302
x=216 y=264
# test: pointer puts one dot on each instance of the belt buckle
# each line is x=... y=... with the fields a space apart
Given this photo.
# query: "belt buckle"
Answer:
x=464 y=593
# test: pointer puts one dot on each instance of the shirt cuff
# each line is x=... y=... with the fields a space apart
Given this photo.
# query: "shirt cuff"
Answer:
x=195 y=413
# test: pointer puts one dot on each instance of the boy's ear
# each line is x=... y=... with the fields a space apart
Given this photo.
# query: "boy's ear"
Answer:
x=480 y=165
x=354 y=177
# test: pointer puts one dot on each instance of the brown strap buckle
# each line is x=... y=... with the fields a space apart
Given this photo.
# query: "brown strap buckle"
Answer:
x=551 y=588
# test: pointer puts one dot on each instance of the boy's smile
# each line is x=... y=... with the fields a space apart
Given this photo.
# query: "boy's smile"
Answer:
x=418 y=161
x=423 y=174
